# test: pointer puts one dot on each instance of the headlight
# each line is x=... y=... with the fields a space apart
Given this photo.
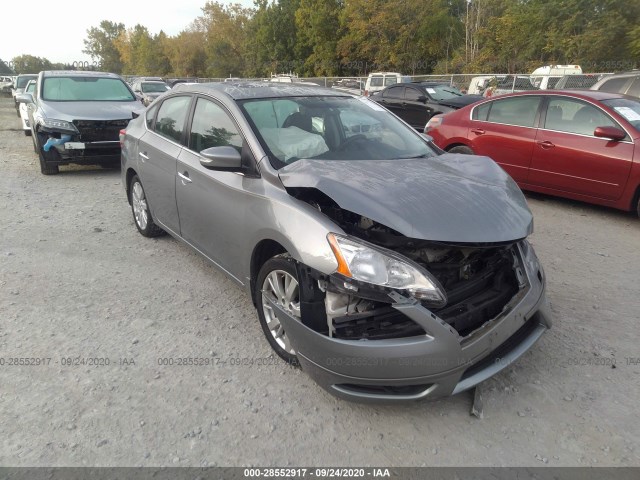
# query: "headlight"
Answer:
x=59 y=124
x=369 y=264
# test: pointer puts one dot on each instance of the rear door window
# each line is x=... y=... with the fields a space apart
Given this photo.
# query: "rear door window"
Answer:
x=634 y=89
x=394 y=92
x=519 y=111
x=615 y=85
x=171 y=117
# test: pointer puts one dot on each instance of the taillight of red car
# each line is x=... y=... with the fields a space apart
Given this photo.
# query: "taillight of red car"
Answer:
x=434 y=122
x=123 y=132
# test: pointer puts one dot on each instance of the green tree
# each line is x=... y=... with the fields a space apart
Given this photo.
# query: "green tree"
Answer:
x=30 y=64
x=272 y=39
x=224 y=28
x=318 y=30
x=100 y=45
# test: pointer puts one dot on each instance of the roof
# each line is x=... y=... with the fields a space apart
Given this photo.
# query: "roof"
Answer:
x=244 y=90
x=78 y=73
x=597 y=95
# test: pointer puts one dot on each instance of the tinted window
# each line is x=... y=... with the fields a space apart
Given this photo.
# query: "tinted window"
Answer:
x=393 y=92
x=212 y=127
x=574 y=116
x=481 y=112
x=551 y=83
x=520 y=111
x=412 y=94
x=615 y=85
x=149 y=116
x=390 y=80
x=171 y=116
x=634 y=89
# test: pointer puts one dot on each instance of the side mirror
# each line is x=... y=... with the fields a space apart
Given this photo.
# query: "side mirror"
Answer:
x=221 y=158
x=612 y=133
x=24 y=98
x=422 y=99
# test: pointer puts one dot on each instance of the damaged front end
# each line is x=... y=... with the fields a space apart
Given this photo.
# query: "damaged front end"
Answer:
x=439 y=319
x=81 y=141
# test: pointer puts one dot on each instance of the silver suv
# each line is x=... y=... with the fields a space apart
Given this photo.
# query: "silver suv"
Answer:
x=387 y=270
x=627 y=83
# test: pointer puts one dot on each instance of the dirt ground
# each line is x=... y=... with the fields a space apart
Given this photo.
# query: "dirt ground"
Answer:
x=78 y=281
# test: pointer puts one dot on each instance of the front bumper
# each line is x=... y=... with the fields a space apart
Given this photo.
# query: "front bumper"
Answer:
x=438 y=364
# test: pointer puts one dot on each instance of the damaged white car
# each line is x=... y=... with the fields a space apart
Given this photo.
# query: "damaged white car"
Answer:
x=387 y=270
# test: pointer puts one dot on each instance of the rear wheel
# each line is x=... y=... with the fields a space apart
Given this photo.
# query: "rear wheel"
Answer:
x=140 y=208
x=462 y=149
x=638 y=204
x=277 y=283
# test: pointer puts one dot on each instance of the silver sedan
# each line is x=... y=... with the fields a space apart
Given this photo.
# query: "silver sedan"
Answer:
x=387 y=270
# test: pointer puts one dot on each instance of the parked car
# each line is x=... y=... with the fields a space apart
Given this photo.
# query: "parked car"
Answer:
x=377 y=81
x=76 y=117
x=627 y=83
x=387 y=271
x=546 y=78
x=24 y=108
x=6 y=84
x=581 y=82
x=501 y=85
x=149 y=90
x=417 y=102
x=574 y=144
x=18 y=88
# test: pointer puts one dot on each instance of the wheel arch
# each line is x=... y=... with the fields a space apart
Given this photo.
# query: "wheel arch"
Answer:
x=263 y=251
x=129 y=176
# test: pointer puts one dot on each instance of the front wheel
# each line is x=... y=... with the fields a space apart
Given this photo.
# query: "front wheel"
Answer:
x=140 y=208
x=462 y=149
x=277 y=283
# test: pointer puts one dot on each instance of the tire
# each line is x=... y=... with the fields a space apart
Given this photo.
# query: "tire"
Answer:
x=47 y=167
x=276 y=275
x=462 y=149
x=27 y=133
x=638 y=205
x=141 y=212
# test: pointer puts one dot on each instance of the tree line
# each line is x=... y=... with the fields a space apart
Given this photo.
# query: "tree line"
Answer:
x=355 y=37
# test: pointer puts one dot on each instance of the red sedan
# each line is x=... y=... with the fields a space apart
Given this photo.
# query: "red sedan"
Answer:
x=583 y=145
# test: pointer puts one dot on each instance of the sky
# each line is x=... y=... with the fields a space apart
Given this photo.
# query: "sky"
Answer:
x=56 y=29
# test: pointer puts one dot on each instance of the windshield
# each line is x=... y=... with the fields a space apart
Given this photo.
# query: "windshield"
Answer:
x=82 y=89
x=627 y=108
x=154 y=87
x=331 y=128
x=443 y=92
x=22 y=80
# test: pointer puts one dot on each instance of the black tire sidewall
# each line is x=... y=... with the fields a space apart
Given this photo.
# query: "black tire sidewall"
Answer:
x=286 y=264
x=464 y=150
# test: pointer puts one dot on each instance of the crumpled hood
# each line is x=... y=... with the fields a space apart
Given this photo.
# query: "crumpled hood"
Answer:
x=459 y=102
x=70 y=111
x=450 y=198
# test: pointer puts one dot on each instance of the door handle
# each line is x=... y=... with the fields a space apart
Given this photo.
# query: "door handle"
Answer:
x=143 y=156
x=546 y=144
x=478 y=131
x=185 y=177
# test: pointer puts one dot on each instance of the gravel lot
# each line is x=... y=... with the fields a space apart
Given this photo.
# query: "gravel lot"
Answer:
x=77 y=280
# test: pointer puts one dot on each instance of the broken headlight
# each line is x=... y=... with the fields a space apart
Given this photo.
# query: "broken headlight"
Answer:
x=367 y=263
x=55 y=124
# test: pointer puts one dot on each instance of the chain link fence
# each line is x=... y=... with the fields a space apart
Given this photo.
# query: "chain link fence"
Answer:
x=473 y=83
